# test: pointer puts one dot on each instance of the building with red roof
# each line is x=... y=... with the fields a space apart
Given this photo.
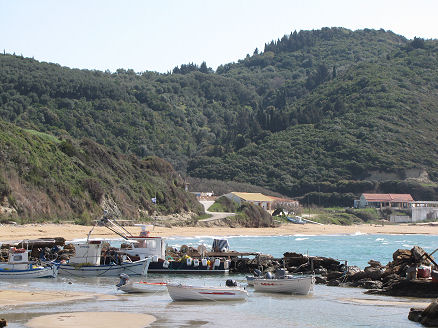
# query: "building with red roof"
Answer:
x=385 y=200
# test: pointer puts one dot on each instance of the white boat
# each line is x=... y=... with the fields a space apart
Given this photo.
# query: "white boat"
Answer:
x=180 y=292
x=291 y=285
x=19 y=267
x=144 y=245
x=128 y=286
x=86 y=263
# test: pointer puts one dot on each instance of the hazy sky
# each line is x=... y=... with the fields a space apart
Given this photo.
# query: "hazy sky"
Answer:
x=159 y=35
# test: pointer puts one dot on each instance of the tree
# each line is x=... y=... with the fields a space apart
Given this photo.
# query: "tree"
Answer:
x=418 y=43
x=203 y=68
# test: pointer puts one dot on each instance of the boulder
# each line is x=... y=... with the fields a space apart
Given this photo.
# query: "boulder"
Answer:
x=427 y=317
x=358 y=276
x=419 y=256
x=372 y=284
x=322 y=271
x=333 y=283
x=415 y=314
x=374 y=264
x=375 y=273
x=402 y=255
x=334 y=275
x=320 y=280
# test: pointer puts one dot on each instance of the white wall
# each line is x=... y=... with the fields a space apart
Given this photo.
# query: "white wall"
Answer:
x=423 y=213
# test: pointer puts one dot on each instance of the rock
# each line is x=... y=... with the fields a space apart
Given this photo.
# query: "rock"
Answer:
x=322 y=271
x=320 y=280
x=375 y=273
x=373 y=284
x=333 y=283
x=390 y=278
x=402 y=255
x=358 y=276
x=418 y=255
x=353 y=270
x=334 y=275
x=427 y=317
x=415 y=314
x=374 y=264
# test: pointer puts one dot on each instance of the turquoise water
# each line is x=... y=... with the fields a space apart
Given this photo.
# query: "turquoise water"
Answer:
x=326 y=307
x=357 y=249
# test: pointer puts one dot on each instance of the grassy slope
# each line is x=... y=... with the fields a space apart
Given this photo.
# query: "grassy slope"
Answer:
x=47 y=178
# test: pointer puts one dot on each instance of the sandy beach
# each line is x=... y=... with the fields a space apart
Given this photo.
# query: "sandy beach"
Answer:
x=92 y=319
x=71 y=231
x=19 y=297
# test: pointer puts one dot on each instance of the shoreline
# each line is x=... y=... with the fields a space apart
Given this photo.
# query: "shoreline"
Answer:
x=71 y=231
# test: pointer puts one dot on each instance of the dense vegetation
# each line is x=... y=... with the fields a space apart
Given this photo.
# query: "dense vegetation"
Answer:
x=43 y=177
x=323 y=114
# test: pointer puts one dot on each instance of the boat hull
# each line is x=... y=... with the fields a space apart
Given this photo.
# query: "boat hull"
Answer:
x=296 y=285
x=143 y=287
x=45 y=272
x=191 y=293
x=182 y=267
x=137 y=268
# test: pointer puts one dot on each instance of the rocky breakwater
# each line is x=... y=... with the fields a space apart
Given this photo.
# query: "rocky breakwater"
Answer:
x=397 y=278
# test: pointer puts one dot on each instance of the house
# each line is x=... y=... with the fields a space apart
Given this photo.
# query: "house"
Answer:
x=384 y=200
x=251 y=197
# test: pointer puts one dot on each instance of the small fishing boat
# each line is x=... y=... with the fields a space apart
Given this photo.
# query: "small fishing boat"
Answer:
x=128 y=286
x=291 y=285
x=144 y=245
x=86 y=263
x=19 y=266
x=179 y=292
x=296 y=220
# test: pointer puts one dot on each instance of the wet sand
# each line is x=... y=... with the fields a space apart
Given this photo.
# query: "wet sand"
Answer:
x=19 y=298
x=71 y=231
x=92 y=320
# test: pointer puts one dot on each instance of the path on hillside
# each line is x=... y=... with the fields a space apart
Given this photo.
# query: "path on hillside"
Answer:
x=215 y=215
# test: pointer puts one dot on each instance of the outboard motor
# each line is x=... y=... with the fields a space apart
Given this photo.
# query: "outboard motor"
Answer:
x=231 y=283
x=269 y=275
x=257 y=273
x=280 y=274
x=123 y=279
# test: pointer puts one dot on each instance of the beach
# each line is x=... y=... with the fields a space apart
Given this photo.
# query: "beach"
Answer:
x=91 y=300
x=71 y=231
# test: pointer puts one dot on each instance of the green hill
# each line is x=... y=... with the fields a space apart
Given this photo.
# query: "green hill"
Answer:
x=327 y=113
x=43 y=177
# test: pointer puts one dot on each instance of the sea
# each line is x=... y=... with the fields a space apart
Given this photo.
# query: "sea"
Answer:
x=325 y=307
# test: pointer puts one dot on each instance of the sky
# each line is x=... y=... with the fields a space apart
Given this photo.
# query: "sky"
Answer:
x=147 y=35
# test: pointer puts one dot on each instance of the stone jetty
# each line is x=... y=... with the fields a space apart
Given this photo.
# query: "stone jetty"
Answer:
x=394 y=278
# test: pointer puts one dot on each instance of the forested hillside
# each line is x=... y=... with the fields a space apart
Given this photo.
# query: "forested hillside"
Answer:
x=328 y=113
x=43 y=177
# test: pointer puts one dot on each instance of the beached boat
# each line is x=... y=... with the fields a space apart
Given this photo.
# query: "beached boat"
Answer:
x=128 y=286
x=144 y=245
x=179 y=292
x=86 y=263
x=290 y=285
x=19 y=267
